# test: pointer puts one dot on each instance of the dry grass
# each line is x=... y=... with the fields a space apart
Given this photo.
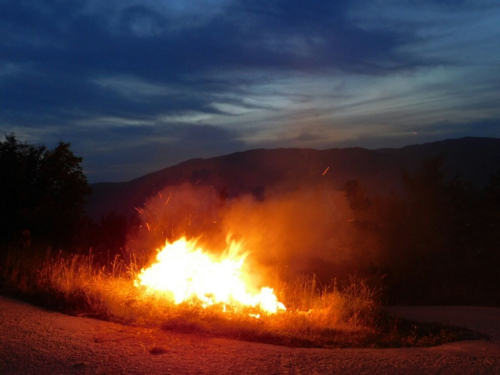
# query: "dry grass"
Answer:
x=346 y=316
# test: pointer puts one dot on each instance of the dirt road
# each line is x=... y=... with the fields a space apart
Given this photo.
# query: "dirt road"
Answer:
x=36 y=341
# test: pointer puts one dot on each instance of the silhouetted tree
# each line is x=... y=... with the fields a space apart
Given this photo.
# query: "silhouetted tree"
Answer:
x=19 y=163
x=429 y=238
x=366 y=223
x=430 y=247
x=487 y=237
x=356 y=196
x=490 y=214
x=41 y=190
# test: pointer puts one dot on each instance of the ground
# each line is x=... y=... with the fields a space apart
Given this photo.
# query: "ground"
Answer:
x=37 y=341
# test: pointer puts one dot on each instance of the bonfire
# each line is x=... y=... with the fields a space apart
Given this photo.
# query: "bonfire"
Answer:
x=185 y=272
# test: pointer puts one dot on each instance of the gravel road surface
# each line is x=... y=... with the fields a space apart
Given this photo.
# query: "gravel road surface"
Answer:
x=37 y=341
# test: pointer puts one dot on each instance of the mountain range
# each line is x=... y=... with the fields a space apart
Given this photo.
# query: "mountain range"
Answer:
x=268 y=171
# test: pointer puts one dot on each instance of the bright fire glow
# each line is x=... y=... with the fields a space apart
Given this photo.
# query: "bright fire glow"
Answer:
x=184 y=272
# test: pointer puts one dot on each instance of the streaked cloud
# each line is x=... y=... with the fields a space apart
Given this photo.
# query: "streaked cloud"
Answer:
x=138 y=86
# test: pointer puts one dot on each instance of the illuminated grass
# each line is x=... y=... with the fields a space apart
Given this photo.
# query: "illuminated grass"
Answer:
x=348 y=316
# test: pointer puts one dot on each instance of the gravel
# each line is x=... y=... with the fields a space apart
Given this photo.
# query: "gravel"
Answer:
x=37 y=341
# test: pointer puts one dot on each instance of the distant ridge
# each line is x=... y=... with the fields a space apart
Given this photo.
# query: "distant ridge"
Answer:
x=261 y=171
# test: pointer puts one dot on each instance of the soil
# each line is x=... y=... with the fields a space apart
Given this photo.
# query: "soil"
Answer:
x=36 y=341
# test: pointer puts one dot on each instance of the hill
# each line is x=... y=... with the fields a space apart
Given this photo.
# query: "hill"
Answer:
x=262 y=171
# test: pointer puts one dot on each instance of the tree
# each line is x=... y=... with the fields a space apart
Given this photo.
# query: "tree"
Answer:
x=367 y=222
x=431 y=249
x=439 y=210
x=422 y=239
x=19 y=163
x=487 y=236
x=41 y=190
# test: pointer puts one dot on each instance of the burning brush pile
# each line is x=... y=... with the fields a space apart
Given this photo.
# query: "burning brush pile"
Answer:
x=238 y=268
x=181 y=271
x=184 y=272
x=251 y=284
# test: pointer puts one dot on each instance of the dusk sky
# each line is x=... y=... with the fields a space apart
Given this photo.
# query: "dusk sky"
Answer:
x=137 y=86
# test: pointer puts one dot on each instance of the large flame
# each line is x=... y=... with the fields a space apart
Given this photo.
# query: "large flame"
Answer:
x=184 y=272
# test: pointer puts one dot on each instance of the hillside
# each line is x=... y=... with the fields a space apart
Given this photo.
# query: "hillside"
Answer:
x=263 y=171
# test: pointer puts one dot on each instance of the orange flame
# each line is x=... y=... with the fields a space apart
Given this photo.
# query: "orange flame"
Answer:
x=184 y=271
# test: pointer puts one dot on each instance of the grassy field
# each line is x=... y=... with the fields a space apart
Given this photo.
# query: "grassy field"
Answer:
x=348 y=315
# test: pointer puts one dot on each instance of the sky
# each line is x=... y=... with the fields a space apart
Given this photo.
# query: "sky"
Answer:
x=137 y=86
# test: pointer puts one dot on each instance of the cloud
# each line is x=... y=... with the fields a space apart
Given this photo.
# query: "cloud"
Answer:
x=113 y=76
x=262 y=35
x=135 y=151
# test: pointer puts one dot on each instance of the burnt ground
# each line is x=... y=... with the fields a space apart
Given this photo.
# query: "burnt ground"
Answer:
x=36 y=341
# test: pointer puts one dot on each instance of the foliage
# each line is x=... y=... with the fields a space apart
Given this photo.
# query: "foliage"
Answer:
x=340 y=317
x=435 y=243
x=41 y=190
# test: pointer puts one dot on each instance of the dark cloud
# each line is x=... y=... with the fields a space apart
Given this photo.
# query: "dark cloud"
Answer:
x=61 y=50
x=111 y=77
x=155 y=147
x=449 y=2
x=479 y=128
x=63 y=100
x=138 y=40
x=423 y=134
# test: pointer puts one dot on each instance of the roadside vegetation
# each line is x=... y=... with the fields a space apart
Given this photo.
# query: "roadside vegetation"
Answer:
x=344 y=316
x=418 y=248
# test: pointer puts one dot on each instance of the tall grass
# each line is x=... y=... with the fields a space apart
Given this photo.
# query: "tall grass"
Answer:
x=332 y=316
